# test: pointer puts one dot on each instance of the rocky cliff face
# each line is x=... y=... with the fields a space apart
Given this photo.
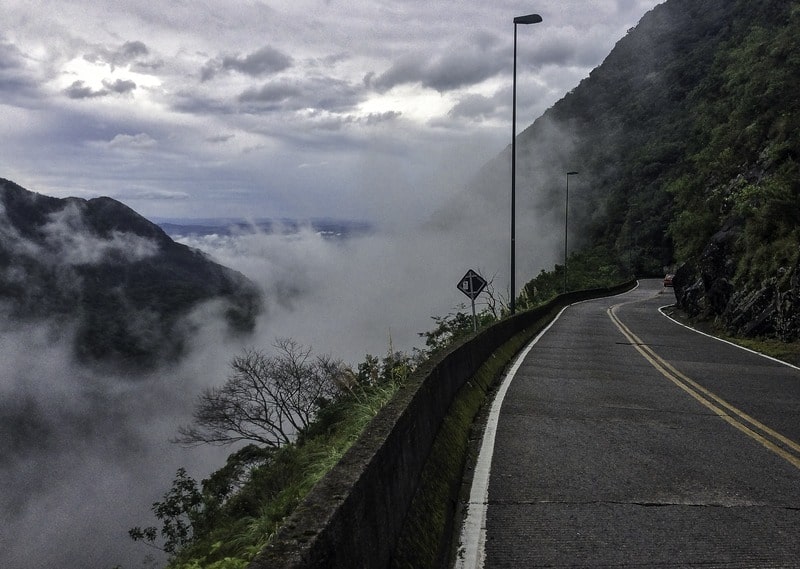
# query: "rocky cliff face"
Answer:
x=706 y=290
x=119 y=279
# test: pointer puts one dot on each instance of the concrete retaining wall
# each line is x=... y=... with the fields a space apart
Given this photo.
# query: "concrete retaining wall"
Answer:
x=354 y=515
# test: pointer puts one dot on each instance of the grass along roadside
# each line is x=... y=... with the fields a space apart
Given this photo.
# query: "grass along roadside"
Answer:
x=250 y=519
x=788 y=352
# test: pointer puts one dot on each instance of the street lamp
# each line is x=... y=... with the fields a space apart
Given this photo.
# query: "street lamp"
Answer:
x=529 y=19
x=566 y=226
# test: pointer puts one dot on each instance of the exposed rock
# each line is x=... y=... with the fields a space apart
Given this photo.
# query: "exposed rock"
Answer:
x=708 y=291
x=705 y=289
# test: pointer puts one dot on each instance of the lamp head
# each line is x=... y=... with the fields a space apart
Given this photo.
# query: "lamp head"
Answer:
x=572 y=173
x=529 y=19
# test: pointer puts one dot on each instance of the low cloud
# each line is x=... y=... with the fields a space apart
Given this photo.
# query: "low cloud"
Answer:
x=457 y=66
x=17 y=84
x=80 y=90
x=475 y=107
x=66 y=241
x=86 y=453
x=220 y=138
x=271 y=93
x=119 y=86
x=125 y=54
x=317 y=93
x=377 y=118
x=265 y=61
x=140 y=141
x=69 y=242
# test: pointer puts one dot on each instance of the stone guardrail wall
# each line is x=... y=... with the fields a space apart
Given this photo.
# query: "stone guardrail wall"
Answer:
x=352 y=518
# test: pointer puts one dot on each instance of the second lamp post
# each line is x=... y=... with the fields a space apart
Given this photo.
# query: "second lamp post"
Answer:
x=566 y=228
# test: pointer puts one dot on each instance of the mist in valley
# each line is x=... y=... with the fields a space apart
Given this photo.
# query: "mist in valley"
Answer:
x=86 y=450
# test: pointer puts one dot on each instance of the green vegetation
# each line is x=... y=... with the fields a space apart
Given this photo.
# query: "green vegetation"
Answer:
x=586 y=269
x=225 y=520
x=691 y=125
x=785 y=351
x=744 y=153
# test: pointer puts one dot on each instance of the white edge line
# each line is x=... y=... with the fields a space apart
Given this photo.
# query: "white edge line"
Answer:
x=473 y=532
x=735 y=345
x=471 y=547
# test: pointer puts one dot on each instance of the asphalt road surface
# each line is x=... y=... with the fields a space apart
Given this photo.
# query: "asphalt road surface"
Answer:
x=627 y=440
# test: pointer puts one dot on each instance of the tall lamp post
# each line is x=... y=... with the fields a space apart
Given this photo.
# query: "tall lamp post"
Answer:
x=566 y=227
x=529 y=19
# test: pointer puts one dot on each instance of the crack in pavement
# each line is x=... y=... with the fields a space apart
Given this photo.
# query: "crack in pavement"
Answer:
x=640 y=503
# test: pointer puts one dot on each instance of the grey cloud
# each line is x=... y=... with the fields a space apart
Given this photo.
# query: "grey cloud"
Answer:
x=333 y=94
x=119 y=86
x=10 y=57
x=147 y=66
x=625 y=6
x=562 y=51
x=319 y=93
x=16 y=83
x=219 y=138
x=264 y=61
x=372 y=119
x=80 y=90
x=376 y=118
x=329 y=60
x=140 y=141
x=475 y=107
x=209 y=70
x=127 y=53
x=270 y=93
x=452 y=68
x=190 y=102
x=566 y=46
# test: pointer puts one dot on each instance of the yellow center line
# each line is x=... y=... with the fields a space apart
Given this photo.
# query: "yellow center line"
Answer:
x=708 y=399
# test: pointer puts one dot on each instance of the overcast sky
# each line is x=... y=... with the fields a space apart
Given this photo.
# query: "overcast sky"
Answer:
x=301 y=108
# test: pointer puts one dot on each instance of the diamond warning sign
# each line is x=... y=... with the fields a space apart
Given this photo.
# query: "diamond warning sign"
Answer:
x=472 y=284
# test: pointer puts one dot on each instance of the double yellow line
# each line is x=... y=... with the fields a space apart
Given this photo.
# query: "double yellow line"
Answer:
x=772 y=440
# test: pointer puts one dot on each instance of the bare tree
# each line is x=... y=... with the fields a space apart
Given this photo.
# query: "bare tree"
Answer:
x=495 y=302
x=267 y=399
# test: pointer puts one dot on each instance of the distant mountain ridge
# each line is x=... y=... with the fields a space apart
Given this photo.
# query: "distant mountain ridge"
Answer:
x=121 y=278
x=327 y=227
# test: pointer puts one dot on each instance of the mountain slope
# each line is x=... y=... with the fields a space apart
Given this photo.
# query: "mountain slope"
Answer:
x=686 y=140
x=119 y=276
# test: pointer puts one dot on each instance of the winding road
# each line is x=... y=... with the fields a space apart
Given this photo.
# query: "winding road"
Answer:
x=620 y=438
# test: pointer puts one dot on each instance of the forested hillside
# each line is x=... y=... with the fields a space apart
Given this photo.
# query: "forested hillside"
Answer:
x=118 y=279
x=686 y=138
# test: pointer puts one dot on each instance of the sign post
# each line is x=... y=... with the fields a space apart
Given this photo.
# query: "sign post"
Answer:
x=472 y=284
